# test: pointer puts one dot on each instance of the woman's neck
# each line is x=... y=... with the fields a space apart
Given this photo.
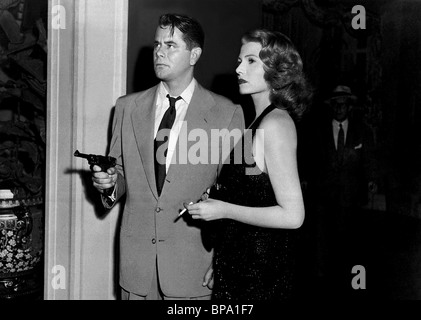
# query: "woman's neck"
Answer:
x=261 y=101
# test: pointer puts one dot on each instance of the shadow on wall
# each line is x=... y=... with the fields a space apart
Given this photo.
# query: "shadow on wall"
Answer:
x=144 y=74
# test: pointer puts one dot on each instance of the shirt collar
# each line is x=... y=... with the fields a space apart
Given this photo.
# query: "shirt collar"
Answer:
x=186 y=95
x=336 y=123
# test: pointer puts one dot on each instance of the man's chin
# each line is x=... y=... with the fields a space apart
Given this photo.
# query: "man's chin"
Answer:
x=160 y=74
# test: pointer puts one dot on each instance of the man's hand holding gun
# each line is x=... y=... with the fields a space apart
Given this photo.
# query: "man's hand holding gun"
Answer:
x=104 y=173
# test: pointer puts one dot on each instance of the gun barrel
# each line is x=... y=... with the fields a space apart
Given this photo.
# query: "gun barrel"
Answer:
x=81 y=155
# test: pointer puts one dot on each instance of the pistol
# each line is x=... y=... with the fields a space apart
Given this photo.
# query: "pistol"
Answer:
x=102 y=161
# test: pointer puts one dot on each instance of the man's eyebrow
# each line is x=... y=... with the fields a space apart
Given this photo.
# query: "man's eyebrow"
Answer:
x=165 y=41
x=170 y=42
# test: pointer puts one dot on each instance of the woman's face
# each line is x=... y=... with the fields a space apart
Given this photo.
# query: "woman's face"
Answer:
x=250 y=70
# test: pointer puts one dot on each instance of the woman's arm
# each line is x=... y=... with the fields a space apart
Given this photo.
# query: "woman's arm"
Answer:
x=280 y=144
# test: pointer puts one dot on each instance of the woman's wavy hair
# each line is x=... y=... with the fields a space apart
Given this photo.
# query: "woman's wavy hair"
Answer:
x=290 y=89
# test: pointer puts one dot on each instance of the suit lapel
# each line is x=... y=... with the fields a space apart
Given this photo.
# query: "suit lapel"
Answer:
x=143 y=121
x=198 y=116
x=351 y=135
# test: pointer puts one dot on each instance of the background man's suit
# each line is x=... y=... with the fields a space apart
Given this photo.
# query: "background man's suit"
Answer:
x=151 y=235
x=343 y=183
x=339 y=189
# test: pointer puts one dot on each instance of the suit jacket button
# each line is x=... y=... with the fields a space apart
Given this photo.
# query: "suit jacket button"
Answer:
x=153 y=240
x=158 y=209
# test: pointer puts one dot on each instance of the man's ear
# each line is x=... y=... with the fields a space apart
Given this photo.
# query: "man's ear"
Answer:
x=195 y=55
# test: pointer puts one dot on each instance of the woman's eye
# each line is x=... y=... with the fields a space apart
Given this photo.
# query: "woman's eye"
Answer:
x=251 y=61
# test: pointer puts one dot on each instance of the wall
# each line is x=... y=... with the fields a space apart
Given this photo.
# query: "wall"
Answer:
x=223 y=21
x=86 y=74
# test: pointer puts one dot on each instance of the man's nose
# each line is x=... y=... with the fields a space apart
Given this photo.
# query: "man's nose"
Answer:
x=159 y=52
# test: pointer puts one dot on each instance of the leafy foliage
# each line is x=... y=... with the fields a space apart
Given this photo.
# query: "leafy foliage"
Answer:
x=23 y=86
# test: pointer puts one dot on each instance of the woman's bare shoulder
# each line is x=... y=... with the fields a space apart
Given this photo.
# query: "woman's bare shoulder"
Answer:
x=278 y=126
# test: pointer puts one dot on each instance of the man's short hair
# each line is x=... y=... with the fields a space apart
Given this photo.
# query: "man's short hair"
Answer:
x=193 y=34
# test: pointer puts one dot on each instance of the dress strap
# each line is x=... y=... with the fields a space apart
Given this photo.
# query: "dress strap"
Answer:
x=255 y=124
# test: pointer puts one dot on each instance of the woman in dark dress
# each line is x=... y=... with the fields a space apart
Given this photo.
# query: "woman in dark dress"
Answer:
x=256 y=204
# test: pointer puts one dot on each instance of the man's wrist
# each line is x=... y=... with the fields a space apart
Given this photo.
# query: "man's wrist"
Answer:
x=110 y=199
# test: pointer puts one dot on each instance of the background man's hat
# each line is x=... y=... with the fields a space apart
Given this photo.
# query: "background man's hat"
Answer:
x=341 y=92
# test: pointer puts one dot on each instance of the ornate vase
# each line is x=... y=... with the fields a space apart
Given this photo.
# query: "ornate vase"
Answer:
x=21 y=247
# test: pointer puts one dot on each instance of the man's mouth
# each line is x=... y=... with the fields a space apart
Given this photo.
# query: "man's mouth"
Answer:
x=160 y=65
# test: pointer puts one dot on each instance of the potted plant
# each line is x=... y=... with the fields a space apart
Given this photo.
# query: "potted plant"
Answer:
x=23 y=86
x=22 y=116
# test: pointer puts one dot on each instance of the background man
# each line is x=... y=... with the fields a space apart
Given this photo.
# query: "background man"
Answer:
x=343 y=171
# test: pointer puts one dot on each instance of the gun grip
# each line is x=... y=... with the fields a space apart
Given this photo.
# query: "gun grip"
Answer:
x=104 y=167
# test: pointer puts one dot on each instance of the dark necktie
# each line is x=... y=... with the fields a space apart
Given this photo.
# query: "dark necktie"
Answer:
x=341 y=143
x=166 y=123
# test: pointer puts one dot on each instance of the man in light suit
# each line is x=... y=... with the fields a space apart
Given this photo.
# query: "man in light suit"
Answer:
x=164 y=255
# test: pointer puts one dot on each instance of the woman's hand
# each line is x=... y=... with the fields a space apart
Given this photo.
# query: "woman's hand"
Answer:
x=207 y=210
x=208 y=278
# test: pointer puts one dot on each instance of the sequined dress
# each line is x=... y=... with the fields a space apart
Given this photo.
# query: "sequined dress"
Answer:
x=250 y=263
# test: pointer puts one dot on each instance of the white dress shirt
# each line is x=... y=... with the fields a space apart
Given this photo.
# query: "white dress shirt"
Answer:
x=335 y=126
x=162 y=104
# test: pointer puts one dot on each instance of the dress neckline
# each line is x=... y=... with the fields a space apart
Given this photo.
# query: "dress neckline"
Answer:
x=259 y=119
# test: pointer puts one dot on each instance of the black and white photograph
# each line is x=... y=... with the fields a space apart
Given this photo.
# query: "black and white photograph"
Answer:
x=243 y=153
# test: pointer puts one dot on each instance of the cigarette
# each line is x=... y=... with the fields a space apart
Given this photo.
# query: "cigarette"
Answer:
x=184 y=210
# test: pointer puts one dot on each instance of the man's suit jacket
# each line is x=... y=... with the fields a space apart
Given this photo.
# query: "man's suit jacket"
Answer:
x=150 y=231
x=344 y=183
